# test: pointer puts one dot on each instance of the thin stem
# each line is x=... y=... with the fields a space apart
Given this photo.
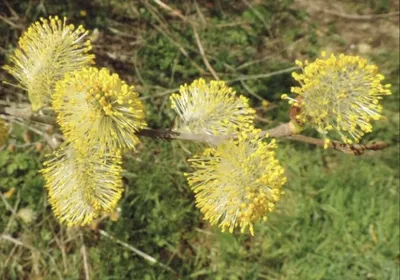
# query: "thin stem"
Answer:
x=202 y=53
x=135 y=250
x=262 y=76
x=85 y=259
x=354 y=149
x=284 y=130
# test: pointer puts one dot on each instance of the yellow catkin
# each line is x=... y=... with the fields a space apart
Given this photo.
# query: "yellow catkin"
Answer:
x=211 y=108
x=97 y=108
x=339 y=93
x=82 y=186
x=48 y=50
x=237 y=183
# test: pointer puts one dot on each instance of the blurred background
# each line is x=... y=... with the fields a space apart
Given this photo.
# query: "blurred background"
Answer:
x=339 y=218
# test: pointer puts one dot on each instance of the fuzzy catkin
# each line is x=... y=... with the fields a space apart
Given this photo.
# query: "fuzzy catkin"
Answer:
x=238 y=182
x=97 y=108
x=48 y=50
x=339 y=94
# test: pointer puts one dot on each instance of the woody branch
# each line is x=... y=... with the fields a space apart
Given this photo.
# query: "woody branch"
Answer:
x=284 y=130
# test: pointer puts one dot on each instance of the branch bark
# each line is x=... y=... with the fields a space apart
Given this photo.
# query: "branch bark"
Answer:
x=354 y=149
x=284 y=130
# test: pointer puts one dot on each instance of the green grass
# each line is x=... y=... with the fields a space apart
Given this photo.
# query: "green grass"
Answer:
x=339 y=218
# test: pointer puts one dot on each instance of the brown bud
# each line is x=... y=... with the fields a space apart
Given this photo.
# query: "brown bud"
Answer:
x=95 y=225
x=295 y=111
x=39 y=146
x=114 y=216
x=11 y=148
x=50 y=130
x=28 y=137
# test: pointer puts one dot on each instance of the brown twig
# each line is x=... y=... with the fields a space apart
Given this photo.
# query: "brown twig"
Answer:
x=283 y=130
x=163 y=134
x=354 y=149
x=203 y=55
x=11 y=23
x=85 y=260
x=173 y=12
x=168 y=135
x=261 y=76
